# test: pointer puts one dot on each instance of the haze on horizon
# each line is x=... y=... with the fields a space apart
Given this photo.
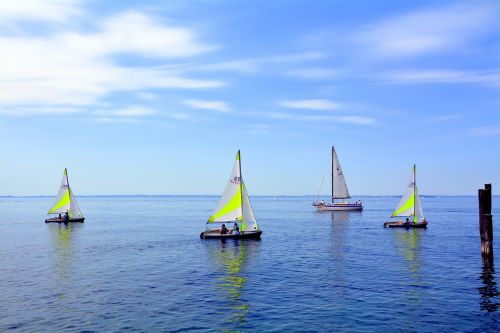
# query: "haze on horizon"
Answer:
x=156 y=98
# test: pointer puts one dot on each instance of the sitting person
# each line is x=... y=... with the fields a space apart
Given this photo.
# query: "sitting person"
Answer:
x=59 y=217
x=236 y=229
x=223 y=230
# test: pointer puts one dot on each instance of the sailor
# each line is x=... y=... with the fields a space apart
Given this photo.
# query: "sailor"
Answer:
x=66 y=217
x=223 y=230
x=59 y=217
x=236 y=229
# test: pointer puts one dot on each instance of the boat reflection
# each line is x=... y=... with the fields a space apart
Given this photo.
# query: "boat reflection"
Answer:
x=230 y=257
x=62 y=236
x=408 y=246
x=488 y=292
x=339 y=250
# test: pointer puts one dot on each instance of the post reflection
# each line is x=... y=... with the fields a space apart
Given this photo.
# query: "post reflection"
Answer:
x=488 y=291
x=230 y=258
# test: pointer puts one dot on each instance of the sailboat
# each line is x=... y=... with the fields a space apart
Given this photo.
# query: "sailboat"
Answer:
x=233 y=208
x=409 y=207
x=339 y=191
x=65 y=203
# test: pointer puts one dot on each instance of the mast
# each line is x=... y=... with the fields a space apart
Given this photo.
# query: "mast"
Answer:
x=241 y=185
x=69 y=188
x=414 y=190
x=333 y=150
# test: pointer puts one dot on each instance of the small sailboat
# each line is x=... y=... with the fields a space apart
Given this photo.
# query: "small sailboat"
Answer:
x=339 y=191
x=409 y=207
x=65 y=203
x=233 y=209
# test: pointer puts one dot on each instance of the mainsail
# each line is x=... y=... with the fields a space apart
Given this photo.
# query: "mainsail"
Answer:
x=410 y=205
x=339 y=186
x=234 y=204
x=65 y=200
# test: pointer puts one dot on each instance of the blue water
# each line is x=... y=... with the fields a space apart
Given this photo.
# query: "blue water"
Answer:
x=138 y=265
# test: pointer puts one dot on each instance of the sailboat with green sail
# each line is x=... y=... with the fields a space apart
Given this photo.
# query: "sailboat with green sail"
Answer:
x=65 y=203
x=234 y=209
x=409 y=207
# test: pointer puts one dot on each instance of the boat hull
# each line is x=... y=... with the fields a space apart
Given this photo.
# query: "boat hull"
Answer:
x=401 y=224
x=338 y=206
x=57 y=220
x=215 y=234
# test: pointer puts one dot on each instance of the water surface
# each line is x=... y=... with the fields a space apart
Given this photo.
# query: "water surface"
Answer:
x=137 y=265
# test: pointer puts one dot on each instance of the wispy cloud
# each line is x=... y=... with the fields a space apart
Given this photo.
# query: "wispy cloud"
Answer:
x=313 y=73
x=485 y=131
x=36 y=110
x=311 y=104
x=446 y=118
x=429 y=31
x=358 y=120
x=442 y=76
x=208 y=105
x=254 y=65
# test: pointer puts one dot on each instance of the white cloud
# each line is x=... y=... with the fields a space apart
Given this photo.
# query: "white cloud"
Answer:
x=429 y=31
x=133 y=111
x=76 y=69
x=208 y=105
x=43 y=10
x=312 y=104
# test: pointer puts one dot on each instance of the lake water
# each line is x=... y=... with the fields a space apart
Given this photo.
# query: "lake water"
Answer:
x=138 y=265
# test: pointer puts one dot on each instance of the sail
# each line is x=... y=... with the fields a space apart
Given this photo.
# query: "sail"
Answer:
x=419 y=213
x=62 y=203
x=74 y=211
x=339 y=187
x=406 y=206
x=248 y=223
x=229 y=207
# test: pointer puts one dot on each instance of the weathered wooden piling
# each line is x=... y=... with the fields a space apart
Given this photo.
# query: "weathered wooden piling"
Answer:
x=485 y=221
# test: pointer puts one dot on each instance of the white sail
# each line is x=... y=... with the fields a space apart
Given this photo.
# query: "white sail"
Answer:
x=229 y=207
x=419 y=212
x=249 y=222
x=406 y=206
x=74 y=212
x=65 y=200
x=62 y=203
x=339 y=186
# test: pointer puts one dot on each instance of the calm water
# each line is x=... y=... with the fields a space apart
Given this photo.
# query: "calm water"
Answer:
x=138 y=265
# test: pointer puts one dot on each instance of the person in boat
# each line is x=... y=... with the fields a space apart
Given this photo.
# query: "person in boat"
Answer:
x=236 y=229
x=66 y=217
x=223 y=230
x=407 y=221
x=59 y=217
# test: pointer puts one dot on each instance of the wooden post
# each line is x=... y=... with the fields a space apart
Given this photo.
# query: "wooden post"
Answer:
x=485 y=221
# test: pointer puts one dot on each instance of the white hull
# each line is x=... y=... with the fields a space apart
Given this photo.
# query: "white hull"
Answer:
x=328 y=207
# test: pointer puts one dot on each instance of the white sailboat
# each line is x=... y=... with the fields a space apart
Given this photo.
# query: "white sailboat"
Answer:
x=234 y=209
x=65 y=203
x=409 y=207
x=339 y=191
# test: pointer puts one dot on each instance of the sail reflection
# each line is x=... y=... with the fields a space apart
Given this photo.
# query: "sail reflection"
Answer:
x=230 y=258
x=489 y=292
x=408 y=246
x=62 y=236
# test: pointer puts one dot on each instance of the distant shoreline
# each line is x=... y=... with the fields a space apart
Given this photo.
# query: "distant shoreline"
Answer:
x=218 y=195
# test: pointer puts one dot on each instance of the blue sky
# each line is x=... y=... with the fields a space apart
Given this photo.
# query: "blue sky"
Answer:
x=156 y=97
